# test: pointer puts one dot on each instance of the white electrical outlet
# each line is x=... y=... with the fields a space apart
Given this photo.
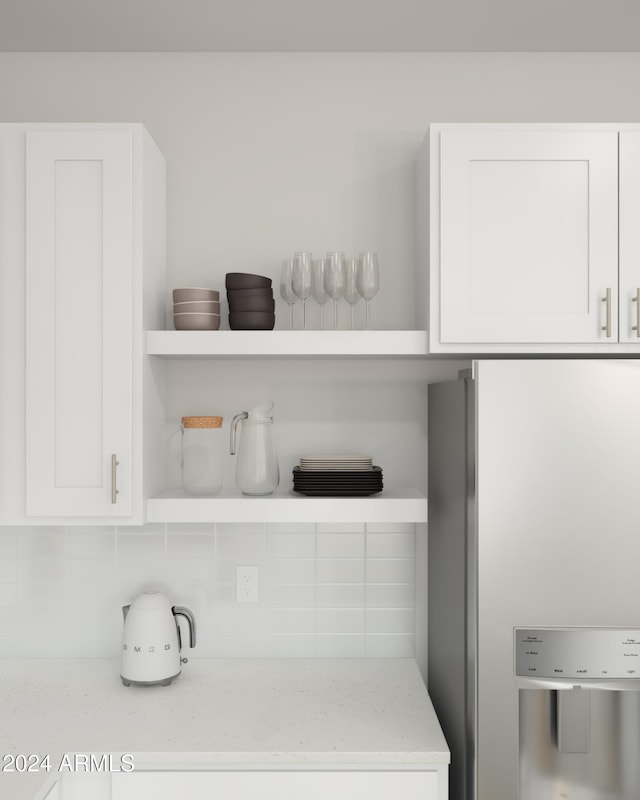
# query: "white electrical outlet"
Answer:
x=247 y=584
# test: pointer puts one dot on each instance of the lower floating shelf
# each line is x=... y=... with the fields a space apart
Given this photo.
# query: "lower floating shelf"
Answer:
x=402 y=505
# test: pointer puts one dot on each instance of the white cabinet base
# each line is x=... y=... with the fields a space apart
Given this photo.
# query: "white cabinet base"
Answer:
x=281 y=785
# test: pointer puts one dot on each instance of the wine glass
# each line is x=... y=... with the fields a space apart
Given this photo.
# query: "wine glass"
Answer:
x=334 y=281
x=286 y=288
x=320 y=294
x=368 y=279
x=301 y=280
x=351 y=293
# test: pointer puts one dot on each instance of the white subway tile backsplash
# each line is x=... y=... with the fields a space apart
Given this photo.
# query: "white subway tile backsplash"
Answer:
x=225 y=570
x=337 y=595
x=340 y=620
x=390 y=595
x=340 y=545
x=41 y=595
x=289 y=620
x=233 y=645
x=249 y=618
x=190 y=545
x=141 y=561
x=291 y=545
x=224 y=594
x=326 y=590
x=8 y=543
x=8 y=622
x=92 y=594
x=88 y=543
x=390 y=545
x=190 y=571
x=8 y=646
x=289 y=570
x=291 y=595
x=397 y=620
x=8 y=570
x=91 y=570
x=42 y=570
x=232 y=528
x=197 y=528
x=98 y=617
x=389 y=527
x=291 y=646
x=42 y=543
x=8 y=595
x=41 y=618
x=340 y=571
x=141 y=546
x=390 y=646
x=390 y=570
x=341 y=646
x=240 y=545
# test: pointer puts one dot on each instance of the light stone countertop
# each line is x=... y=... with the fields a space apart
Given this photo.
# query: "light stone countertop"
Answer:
x=245 y=713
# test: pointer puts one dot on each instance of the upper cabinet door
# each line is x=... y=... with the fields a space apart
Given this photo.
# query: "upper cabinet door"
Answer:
x=630 y=237
x=527 y=237
x=79 y=286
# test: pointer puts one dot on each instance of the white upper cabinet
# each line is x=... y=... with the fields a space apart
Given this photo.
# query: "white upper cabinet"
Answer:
x=88 y=202
x=630 y=237
x=524 y=237
x=79 y=273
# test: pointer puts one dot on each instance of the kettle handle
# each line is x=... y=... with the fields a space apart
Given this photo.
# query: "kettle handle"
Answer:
x=181 y=611
x=234 y=427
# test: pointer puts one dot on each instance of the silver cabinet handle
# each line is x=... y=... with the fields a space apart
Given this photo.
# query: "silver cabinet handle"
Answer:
x=607 y=300
x=114 y=465
x=636 y=300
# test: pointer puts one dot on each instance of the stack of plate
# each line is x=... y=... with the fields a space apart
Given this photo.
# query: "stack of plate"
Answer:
x=196 y=309
x=251 y=303
x=337 y=475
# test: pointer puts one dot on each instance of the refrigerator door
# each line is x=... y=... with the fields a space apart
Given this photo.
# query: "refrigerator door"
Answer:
x=451 y=574
x=558 y=480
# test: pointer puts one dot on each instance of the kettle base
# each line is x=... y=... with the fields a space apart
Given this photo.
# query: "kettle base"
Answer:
x=161 y=682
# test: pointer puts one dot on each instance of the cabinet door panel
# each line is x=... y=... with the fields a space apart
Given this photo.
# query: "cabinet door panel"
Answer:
x=629 y=237
x=79 y=322
x=289 y=785
x=528 y=235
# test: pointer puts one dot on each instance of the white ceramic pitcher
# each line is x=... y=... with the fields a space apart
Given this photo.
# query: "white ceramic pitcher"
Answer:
x=257 y=471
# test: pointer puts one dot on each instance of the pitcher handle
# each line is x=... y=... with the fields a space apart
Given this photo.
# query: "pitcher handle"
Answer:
x=180 y=461
x=234 y=427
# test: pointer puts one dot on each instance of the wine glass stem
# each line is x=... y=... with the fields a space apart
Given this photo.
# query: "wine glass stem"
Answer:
x=368 y=315
x=351 y=317
x=304 y=314
x=321 y=319
x=335 y=315
x=290 y=316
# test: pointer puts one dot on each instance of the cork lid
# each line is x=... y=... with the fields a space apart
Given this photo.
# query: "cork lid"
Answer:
x=202 y=422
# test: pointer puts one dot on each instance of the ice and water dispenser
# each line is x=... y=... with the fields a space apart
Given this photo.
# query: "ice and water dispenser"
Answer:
x=579 y=713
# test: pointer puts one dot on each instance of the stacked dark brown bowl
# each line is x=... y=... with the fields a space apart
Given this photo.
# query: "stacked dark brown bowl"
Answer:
x=251 y=303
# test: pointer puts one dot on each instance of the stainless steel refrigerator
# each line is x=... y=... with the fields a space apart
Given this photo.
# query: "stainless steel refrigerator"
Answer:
x=534 y=578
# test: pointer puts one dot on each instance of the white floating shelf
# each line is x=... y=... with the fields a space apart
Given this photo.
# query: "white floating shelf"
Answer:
x=175 y=344
x=403 y=505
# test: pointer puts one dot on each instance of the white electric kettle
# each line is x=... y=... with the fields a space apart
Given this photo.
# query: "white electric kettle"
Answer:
x=151 y=640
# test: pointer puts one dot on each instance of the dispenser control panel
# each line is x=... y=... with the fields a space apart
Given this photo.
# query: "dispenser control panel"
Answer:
x=577 y=653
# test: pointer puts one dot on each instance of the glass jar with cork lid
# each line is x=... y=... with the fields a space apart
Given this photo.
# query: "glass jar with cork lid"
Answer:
x=201 y=455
